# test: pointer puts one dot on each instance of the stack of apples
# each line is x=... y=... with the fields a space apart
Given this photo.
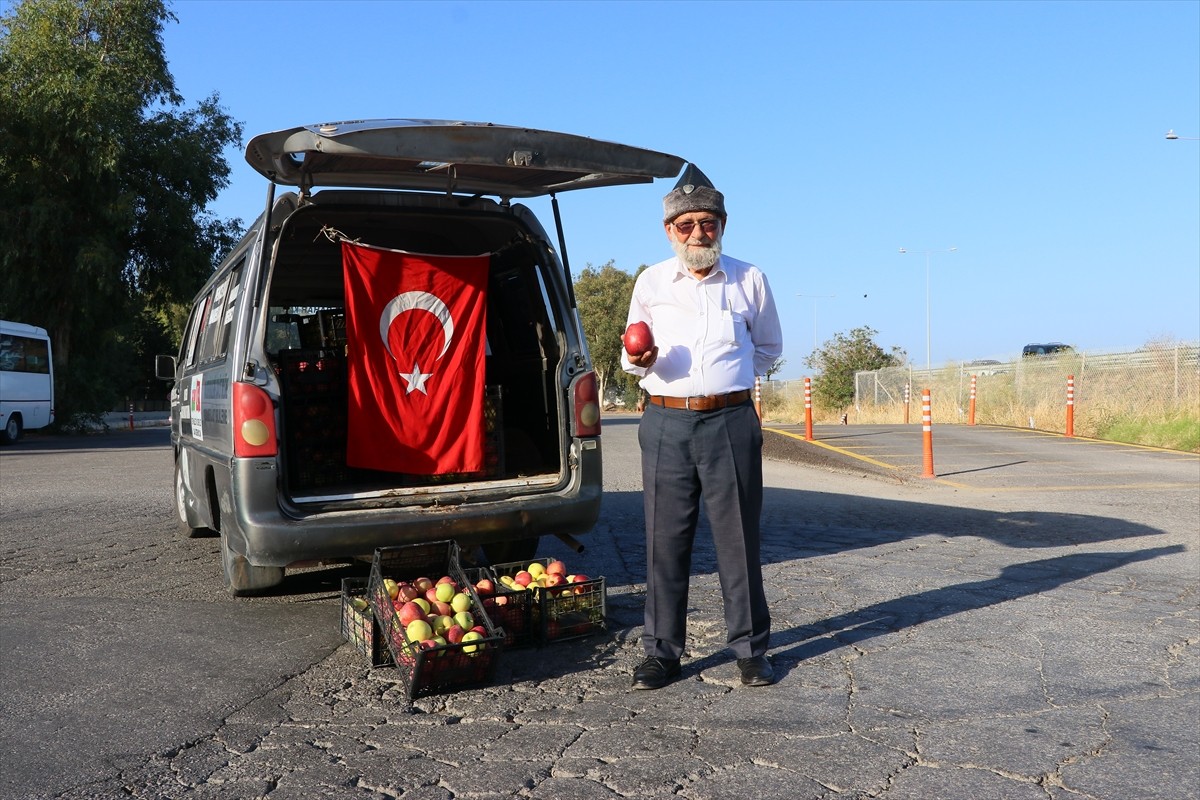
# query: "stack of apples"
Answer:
x=553 y=577
x=433 y=614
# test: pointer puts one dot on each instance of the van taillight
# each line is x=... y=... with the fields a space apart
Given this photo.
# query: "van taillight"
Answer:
x=253 y=421
x=585 y=395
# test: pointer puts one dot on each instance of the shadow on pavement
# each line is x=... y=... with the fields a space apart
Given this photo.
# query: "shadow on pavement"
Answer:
x=790 y=647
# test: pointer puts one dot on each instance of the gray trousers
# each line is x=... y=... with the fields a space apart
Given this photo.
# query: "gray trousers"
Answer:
x=714 y=457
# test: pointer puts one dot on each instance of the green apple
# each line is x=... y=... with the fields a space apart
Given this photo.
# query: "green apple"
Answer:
x=445 y=592
x=417 y=630
x=469 y=640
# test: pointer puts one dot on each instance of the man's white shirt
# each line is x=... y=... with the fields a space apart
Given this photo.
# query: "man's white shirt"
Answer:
x=714 y=335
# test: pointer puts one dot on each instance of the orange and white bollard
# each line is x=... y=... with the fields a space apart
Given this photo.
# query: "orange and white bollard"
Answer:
x=1070 y=405
x=927 y=433
x=971 y=408
x=808 y=410
x=907 y=392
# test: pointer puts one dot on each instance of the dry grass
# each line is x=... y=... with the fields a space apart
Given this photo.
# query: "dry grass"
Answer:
x=1152 y=423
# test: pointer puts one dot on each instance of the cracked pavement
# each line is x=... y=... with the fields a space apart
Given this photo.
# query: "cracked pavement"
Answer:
x=929 y=642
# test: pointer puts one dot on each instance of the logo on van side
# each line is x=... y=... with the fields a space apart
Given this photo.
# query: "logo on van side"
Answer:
x=194 y=401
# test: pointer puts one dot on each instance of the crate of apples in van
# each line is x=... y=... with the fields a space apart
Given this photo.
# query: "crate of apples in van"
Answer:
x=548 y=602
x=433 y=622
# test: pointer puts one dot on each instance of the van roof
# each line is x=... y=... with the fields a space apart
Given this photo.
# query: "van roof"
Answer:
x=477 y=158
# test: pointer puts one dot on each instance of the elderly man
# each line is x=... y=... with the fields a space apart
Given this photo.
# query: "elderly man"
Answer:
x=715 y=327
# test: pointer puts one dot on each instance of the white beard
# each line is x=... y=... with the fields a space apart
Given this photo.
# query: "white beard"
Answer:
x=697 y=258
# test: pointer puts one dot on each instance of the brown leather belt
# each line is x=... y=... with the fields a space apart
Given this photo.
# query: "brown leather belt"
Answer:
x=705 y=403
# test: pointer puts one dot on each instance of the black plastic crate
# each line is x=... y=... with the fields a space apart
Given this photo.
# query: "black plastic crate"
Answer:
x=511 y=611
x=358 y=622
x=548 y=614
x=440 y=668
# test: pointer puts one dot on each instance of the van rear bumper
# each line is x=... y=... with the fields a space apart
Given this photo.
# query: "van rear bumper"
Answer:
x=271 y=538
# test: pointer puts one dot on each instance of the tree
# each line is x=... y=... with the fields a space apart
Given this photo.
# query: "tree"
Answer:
x=602 y=296
x=104 y=228
x=839 y=358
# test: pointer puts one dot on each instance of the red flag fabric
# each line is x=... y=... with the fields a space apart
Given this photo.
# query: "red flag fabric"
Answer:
x=415 y=338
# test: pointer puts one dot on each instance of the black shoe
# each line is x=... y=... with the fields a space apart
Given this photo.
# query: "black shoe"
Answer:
x=756 y=671
x=655 y=673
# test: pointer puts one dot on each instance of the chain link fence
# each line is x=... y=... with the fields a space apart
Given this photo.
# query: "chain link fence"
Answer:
x=1158 y=382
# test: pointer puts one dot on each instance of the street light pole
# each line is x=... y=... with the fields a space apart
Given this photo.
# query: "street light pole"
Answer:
x=928 y=253
x=815 y=298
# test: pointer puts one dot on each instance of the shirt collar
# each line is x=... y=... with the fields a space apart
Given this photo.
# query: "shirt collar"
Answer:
x=681 y=270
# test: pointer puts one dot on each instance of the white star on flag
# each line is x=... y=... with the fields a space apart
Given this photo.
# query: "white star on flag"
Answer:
x=416 y=381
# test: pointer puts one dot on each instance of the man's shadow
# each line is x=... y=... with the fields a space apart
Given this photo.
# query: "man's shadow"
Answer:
x=790 y=647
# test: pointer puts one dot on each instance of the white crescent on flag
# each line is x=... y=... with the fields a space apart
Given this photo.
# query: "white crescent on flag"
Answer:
x=416 y=301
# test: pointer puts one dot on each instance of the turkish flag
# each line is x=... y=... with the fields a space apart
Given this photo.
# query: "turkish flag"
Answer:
x=415 y=340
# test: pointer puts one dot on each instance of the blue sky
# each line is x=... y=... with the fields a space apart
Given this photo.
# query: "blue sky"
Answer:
x=1028 y=135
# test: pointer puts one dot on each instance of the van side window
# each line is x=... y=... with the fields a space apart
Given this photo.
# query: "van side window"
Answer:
x=199 y=323
x=219 y=320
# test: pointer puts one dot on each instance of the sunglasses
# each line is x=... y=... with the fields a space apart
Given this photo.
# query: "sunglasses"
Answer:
x=709 y=226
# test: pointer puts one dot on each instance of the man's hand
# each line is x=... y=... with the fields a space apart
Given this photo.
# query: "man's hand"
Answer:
x=646 y=359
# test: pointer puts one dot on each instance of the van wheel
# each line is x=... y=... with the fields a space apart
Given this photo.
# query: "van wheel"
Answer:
x=187 y=522
x=12 y=430
x=516 y=550
x=241 y=577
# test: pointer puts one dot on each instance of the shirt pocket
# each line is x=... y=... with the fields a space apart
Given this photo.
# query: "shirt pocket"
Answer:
x=733 y=327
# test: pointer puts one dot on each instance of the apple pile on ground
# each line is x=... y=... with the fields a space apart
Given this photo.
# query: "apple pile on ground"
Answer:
x=434 y=615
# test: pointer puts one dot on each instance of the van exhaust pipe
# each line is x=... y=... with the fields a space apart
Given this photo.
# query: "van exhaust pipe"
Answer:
x=570 y=541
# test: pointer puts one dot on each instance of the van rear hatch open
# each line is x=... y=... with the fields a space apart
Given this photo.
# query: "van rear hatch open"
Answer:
x=456 y=157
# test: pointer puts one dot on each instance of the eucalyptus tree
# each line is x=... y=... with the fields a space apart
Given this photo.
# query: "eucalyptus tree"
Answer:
x=106 y=179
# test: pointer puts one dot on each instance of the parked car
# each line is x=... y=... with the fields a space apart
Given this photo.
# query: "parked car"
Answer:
x=264 y=395
x=1034 y=350
x=986 y=366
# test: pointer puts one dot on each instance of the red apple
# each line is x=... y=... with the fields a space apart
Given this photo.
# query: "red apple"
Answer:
x=638 y=338
x=422 y=584
x=454 y=634
x=408 y=592
x=556 y=568
x=485 y=586
x=409 y=612
x=554 y=579
x=446 y=579
x=523 y=577
x=441 y=609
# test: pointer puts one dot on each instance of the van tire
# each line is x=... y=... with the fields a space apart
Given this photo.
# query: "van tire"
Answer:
x=244 y=579
x=521 y=550
x=12 y=430
x=183 y=514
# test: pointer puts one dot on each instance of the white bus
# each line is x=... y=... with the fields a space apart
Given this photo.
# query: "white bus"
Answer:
x=26 y=380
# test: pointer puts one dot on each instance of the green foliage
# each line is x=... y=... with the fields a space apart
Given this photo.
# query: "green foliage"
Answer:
x=602 y=296
x=106 y=183
x=839 y=358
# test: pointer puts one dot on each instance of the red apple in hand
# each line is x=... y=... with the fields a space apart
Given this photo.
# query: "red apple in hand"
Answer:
x=638 y=338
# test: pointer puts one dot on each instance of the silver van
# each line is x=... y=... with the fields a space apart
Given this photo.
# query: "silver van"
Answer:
x=261 y=398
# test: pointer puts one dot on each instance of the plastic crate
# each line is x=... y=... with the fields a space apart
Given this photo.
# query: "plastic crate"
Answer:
x=444 y=667
x=359 y=627
x=551 y=614
x=512 y=612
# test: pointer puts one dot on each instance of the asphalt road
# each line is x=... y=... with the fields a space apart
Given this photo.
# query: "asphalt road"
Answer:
x=1023 y=625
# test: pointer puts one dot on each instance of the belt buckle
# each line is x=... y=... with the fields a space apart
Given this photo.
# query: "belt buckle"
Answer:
x=687 y=403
